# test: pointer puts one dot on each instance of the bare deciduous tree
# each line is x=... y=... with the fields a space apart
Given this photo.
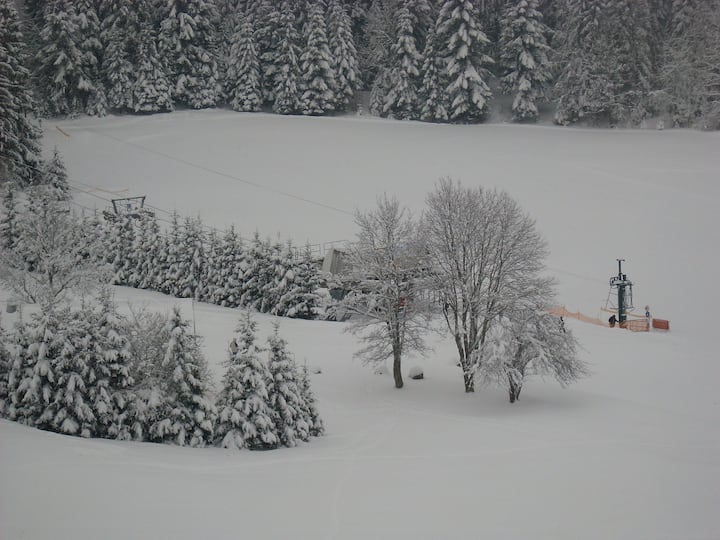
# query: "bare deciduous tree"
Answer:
x=486 y=256
x=531 y=343
x=52 y=255
x=386 y=303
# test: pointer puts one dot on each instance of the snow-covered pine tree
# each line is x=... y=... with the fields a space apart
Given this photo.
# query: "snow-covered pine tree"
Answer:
x=171 y=255
x=19 y=373
x=191 y=260
x=318 y=75
x=122 y=255
x=64 y=85
x=401 y=100
x=211 y=275
x=187 y=416
x=9 y=218
x=690 y=80
x=343 y=54
x=266 y=16
x=276 y=275
x=379 y=90
x=583 y=88
x=284 y=396
x=300 y=299
x=632 y=32
x=463 y=47
x=242 y=80
x=152 y=89
x=245 y=419
x=310 y=411
x=19 y=137
x=523 y=57
x=146 y=251
x=231 y=270
x=433 y=100
x=287 y=71
x=55 y=177
x=51 y=376
x=187 y=44
x=70 y=408
x=108 y=381
x=255 y=272
x=91 y=55
x=5 y=369
x=119 y=34
x=375 y=43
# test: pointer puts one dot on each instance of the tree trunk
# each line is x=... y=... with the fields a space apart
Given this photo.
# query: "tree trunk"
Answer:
x=514 y=390
x=397 y=372
x=469 y=381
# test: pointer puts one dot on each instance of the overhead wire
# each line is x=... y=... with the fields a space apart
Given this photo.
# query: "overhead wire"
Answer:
x=223 y=174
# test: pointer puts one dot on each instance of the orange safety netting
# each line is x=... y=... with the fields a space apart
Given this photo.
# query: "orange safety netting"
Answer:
x=561 y=311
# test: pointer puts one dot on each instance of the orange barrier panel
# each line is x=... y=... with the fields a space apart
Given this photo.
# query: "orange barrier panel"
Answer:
x=661 y=324
x=637 y=325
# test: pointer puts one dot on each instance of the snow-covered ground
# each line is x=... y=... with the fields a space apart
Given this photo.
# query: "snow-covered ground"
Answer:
x=631 y=452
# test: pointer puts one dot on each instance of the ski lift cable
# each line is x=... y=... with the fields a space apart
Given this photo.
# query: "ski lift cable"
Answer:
x=224 y=175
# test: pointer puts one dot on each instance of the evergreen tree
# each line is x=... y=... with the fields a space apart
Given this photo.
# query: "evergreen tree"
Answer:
x=186 y=416
x=266 y=17
x=463 y=50
x=231 y=271
x=171 y=256
x=343 y=54
x=245 y=419
x=191 y=262
x=432 y=95
x=55 y=177
x=5 y=370
x=122 y=255
x=287 y=71
x=689 y=77
x=318 y=74
x=65 y=87
x=254 y=276
x=583 y=88
x=187 y=43
x=69 y=410
x=300 y=299
x=211 y=281
x=285 y=397
x=275 y=277
x=45 y=344
x=108 y=376
x=152 y=89
x=631 y=31
x=8 y=219
x=242 y=81
x=19 y=137
x=401 y=100
x=311 y=414
x=120 y=33
x=524 y=60
x=91 y=55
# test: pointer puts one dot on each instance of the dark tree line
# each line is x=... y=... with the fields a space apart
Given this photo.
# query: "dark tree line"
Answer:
x=605 y=62
x=188 y=261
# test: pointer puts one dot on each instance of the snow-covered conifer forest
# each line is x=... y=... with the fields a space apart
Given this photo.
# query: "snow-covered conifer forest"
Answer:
x=294 y=269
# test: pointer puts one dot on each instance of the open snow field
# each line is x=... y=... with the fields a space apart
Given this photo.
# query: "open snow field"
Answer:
x=632 y=452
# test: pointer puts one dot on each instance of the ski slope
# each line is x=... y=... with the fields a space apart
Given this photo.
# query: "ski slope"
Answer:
x=632 y=452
